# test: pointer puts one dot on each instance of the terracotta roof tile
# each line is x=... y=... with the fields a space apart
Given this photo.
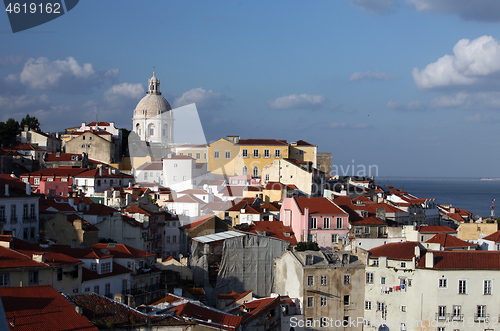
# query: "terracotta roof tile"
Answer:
x=41 y=308
x=435 y=229
x=397 y=251
x=495 y=237
x=319 y=206
x=464 y=260
x=448 y=241
x=208 y=316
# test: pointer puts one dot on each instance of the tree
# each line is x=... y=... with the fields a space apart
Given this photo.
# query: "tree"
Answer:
x=307 y=246
x=31 y=122
x=8 y=132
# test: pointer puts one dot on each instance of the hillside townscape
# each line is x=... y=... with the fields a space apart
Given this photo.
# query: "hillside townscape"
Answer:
x=106 y=228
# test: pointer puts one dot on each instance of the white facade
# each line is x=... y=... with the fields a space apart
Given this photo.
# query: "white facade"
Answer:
x=181 y=172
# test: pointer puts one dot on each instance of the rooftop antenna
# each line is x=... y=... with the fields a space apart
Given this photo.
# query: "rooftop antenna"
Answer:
x=492 y=208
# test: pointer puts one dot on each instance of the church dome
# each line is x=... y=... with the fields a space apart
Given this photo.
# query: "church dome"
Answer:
x=153 y=103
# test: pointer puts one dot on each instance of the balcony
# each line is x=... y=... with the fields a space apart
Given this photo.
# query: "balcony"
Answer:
x=482 y=318
x=457 y=317
x=442 y=317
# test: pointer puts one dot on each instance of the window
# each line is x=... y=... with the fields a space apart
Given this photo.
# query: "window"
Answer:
x=190 y=154
x=244 y=152
x=323 y=301
x=59 y=274
x=96 y=289
x=216 y=154
x=462 y=286
x=403 y=264
x=13 y=212
x=255 y=153
x=37 y=181
x=368 y=305
x=277 y=153
x=310 y=301
x=151 y=129
x=403 y=309
x=441 y=314
x=244 y=170
x=267 y=153
x=168 y=239
x=367 y=229
x=347 y=279
x=374 y=263
x=481 y=311
x=227 y=154
x=443 y=283
x=487 y=286
x=33 y=277
x=369 y=277
x=255 y=171
x=382 y=280
x=4 y=279
x=198 y=156
x=441 y=328
x=93 y=266
x=314 y=223
x=339 y=222
x=87 y=289
x=106 y=267
x=310 y=280
x=25 y=212
x=335 y=238
x=107 y=289
x=174 y=239
x=324 y=280
x=326 y=223
x=457 y=313
x=380 y=306
x=347 y=300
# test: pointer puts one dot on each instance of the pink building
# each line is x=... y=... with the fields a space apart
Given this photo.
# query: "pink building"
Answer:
x=315 y=219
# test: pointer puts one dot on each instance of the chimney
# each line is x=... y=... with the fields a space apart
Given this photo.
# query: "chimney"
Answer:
x=417 y=251
x=28 y=188
x=429 y=260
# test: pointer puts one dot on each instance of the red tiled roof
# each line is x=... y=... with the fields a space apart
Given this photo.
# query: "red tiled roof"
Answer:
x=122 y=251
x=448 y=241
x=189 y=198
x=26 y=147
x=151 y=166
x=274 y=229
x=372 y=220
x=495 y=237
x=41 y=308
x=117 y=270
x=10 y=258
x=247 y=206
x=464 y=260
x=256 y=308
x=94 y=173
x=397 y=251
x=98 y=124
x=208 y=316
x=197 y=222
x=320 y=206
x=96 y=132
x=105 y=312
x=262 y=142
x=435 y=229
x=304 y=143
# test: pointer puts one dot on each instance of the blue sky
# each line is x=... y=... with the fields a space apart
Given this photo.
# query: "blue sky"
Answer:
x=411 y=86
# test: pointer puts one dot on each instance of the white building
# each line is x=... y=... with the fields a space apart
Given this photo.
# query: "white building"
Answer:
x=18 y=209
x=408 y=288
x=181 y=172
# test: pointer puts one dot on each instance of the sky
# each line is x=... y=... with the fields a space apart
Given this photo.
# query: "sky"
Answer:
x=399 y=87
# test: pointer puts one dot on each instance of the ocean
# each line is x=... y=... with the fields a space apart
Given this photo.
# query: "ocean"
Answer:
x=472 y=194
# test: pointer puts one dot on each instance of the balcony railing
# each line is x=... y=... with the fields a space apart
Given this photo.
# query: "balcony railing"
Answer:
x=457 y=317
x=482 y=318
x=442 y=317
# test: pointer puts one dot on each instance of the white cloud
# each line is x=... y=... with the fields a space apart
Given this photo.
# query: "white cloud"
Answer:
x=410 y=106
x=370 y=75
x=23 y=102
x=120 y=95
x=375 y=6
x=301 y=101
x=484 y=10
x=204 y=99
x=63 y=75
x=449 y=101
x=481 y=118
x=473 y=63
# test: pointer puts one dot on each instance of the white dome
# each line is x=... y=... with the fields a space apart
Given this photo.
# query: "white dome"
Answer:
x=152 y=105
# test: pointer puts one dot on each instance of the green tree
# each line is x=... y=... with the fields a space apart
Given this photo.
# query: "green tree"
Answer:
x=8 y=132
x=31 y=122
x=307 y=246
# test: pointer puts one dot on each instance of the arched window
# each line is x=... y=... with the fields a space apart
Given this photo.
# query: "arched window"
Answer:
x=255 y=172
x=138 y=129
x=244 y=171
x=151 y=129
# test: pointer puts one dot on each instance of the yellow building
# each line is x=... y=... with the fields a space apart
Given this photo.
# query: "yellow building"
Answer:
x=233 y=156
x=197 y=152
